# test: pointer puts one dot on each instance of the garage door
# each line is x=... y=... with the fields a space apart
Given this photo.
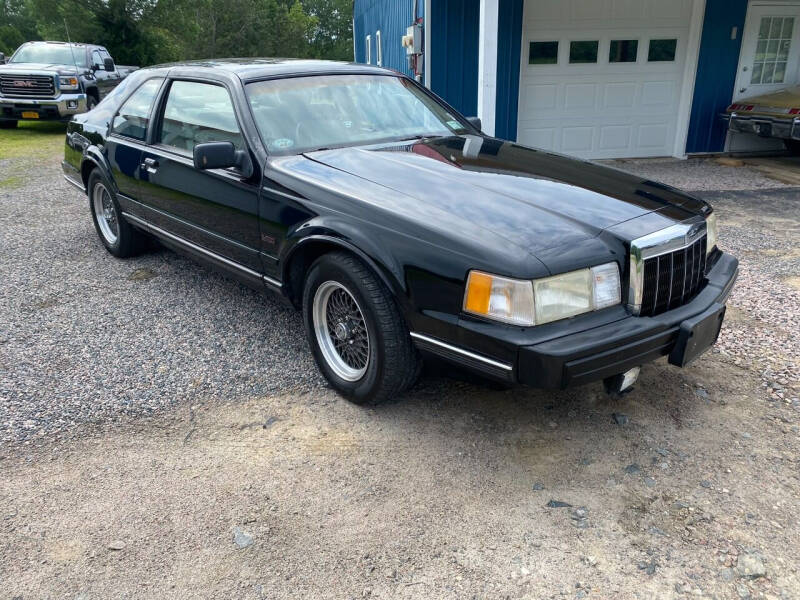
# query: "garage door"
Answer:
x=602 y=78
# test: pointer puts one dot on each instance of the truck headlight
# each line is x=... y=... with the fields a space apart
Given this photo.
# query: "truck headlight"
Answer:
x=68 y=83
x=711 y=233
x=542 y=300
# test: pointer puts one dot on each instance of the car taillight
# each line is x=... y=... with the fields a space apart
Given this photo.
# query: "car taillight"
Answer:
x=794 y=111
x=744 y=107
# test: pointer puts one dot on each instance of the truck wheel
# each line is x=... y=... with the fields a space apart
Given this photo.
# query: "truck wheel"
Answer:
x=8 y=124
x=356 y=332
x=117 y=235
x=91 y=102
x=793 y=146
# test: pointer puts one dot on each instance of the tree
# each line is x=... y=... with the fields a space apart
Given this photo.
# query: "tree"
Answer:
x=332 y=38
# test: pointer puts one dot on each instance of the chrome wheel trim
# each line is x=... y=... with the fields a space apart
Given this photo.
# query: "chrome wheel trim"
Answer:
x=105 y=213
x=341 y=331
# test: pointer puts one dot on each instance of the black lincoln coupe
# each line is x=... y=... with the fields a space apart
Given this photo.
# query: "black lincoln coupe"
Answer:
x=398 y=228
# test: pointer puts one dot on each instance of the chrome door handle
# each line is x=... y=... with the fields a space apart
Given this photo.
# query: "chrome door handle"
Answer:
x=150 y=165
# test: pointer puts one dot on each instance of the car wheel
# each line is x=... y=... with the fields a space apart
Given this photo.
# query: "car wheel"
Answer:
x=8 y=124
x=793 y=146
x=91 y=102
x=356 y=332
x=117 y=235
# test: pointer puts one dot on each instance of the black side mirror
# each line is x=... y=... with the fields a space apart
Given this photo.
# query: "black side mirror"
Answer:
x=475 y=122
x=108 y=64
x=222 y=155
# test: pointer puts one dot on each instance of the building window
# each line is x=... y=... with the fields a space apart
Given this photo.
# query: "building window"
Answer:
x=772 y=51
x=583 y=52
x=368 y=50
x=378 y=48
x=623 y=51
x=543 y=53
x=662 y=50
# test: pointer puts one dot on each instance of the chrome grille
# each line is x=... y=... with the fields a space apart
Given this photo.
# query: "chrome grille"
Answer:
x=672 y=279
x=27 y=86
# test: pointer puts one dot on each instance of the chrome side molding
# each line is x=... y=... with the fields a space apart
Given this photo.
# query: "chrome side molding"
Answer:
x=462 y=352
x=155 y=229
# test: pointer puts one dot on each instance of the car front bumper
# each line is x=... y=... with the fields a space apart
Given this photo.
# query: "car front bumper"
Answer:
x=787 y=129
x=582 y=355
x=60 y=108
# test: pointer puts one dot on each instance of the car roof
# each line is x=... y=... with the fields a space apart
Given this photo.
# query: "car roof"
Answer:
x=260 y=68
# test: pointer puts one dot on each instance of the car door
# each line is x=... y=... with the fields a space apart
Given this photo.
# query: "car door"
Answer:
x=126 y=139
x=101 y=76
x=216 y=209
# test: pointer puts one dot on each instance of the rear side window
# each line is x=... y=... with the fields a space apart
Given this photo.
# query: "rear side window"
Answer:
x=196 y=113
x=134 y=114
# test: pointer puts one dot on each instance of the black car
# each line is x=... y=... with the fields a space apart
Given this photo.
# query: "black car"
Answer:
x=398 y=228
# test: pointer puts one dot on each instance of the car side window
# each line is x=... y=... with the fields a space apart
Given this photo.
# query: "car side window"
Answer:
x=134 y=114
x=97 y=60
x=196 y=113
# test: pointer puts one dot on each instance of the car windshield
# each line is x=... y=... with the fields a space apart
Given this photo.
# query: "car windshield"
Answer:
x=301 y=114
x=50 y=54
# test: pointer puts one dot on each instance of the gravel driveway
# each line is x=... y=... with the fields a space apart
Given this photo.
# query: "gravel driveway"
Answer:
x=165 y=434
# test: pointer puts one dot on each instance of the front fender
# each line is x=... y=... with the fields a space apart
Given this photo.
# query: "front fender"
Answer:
x=342 y=233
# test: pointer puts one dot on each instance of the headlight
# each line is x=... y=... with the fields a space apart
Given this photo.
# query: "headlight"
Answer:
x=507 y=300
x=68 y=83
x=711 y=233
x=542 y=300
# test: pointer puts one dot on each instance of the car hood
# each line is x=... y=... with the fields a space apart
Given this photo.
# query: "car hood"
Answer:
x=38 y=67
x=538 y=200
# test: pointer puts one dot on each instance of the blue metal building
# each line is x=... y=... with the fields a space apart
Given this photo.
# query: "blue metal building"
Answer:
x=595 y=78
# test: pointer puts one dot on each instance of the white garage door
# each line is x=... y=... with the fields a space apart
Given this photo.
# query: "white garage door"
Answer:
x=602 y=78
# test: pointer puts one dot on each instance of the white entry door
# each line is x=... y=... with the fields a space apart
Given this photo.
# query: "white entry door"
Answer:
x=770 y=57
x=603 y=78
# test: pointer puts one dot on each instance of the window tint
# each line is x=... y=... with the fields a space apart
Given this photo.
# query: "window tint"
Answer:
x=543 y=53
x=134 y=114
x=622 y=51
x=662 y=50
x=583 y=52
x=197 y=113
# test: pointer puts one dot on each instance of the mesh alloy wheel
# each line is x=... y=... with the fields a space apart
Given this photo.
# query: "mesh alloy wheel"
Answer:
x=106 y=213
x=341 y=331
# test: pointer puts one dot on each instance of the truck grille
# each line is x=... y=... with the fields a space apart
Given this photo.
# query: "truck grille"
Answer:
x=27 y=86
x=672 y=279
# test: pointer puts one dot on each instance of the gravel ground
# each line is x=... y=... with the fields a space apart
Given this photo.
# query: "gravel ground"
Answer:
x=698 y=174
x=166 y=435
x=86 y=337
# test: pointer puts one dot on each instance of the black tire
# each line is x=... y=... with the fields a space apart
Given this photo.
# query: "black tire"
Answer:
x=793 y=146
x=393 y=362
x=128 y=240
x=8 y=124
x=91 y=102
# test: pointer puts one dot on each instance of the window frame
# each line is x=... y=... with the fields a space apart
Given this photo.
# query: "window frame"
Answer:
x=161 y=106
x=150 y=115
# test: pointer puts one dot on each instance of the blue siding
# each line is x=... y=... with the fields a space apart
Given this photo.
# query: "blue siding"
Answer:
x=454 y=53
x=392 y=18
x=509 y=42
x=716 y=74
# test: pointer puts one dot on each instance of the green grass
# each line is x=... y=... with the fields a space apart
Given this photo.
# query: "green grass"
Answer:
x=31 y=139
x=24 y=146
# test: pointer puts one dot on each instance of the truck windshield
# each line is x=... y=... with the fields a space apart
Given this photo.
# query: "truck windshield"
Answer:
x=302 y=114
x=50 y=54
